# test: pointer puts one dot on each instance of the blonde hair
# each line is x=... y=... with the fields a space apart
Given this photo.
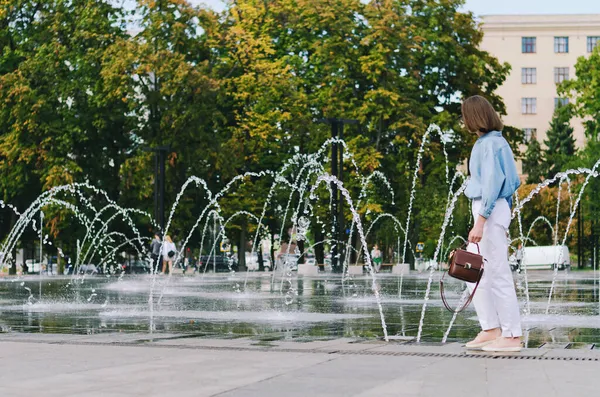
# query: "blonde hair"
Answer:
x=479 y=115
x=168 y=239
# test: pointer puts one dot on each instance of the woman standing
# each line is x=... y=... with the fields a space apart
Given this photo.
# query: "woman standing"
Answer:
x=493 y=181
x=168 y=254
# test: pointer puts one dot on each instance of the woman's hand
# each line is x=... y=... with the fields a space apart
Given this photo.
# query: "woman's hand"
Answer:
x=477 y=232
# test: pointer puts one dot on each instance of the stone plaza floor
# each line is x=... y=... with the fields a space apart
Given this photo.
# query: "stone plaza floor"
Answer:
x=136 y=364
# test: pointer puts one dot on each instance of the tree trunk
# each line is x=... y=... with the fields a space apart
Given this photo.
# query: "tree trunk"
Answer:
x=319 y=249
x=357 y=244
x=302 y=259
x=60 y=266
x=13 y=267
x=242 y=247
x=259 y=254
x=272 y=251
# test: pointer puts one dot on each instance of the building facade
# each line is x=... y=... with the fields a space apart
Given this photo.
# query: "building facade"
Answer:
x=543 y=51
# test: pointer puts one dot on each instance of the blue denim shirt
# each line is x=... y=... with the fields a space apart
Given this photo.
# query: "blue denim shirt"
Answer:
x=493 y=172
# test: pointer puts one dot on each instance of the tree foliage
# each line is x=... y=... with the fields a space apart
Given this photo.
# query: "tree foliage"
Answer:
x=88 y=85
x=533 y=162
x=560 y=144
x=56 y=124
x=585 y=87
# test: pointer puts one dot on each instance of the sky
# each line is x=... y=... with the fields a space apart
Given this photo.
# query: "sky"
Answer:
x=486 y=7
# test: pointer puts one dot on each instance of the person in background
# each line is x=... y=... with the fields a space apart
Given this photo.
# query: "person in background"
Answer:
x=376 y=257
x=155 y=253
x=519 y=257
x=169 y=251
x=189 y=263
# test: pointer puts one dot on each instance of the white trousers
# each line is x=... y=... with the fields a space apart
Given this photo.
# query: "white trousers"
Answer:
x=496 y=298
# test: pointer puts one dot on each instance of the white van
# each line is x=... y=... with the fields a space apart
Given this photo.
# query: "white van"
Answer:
x=546 y=257
x=32 y=266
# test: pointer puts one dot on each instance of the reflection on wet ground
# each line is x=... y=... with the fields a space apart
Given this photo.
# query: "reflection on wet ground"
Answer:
x=325 y=307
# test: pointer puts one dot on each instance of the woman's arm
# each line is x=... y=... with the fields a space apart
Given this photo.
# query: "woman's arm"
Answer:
x=477 y=232
x=492 y=179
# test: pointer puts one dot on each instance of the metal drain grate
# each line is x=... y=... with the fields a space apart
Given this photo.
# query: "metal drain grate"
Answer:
x=275 y=349
x=514 y=356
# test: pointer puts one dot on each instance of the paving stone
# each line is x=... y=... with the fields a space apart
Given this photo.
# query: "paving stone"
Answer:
x=448 y=348
x=46 y=338
x=202 y=342
x=523 y=353
x=329 y=346
x=126 y=337
x=575 y=353
x=158 y=369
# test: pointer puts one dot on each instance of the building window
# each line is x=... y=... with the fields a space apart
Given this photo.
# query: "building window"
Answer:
x=560 y=75
x=529 y=134
x=529 y=105
x=529 y=75
x=592 y=42
x=528 y=45
x=560 y=102
x=561 y=44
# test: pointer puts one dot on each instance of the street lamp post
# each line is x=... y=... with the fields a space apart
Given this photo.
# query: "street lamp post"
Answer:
x=580 y=262
x=337 y=200
x=160 y=156
x=41 y=248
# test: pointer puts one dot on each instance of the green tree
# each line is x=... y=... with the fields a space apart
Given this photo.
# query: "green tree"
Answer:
x=533 y=162
x=396 y=66
x=56 y=125
x=585 y=87
x=560 y=144
x=585 y=90
x=236 y=93
x=167 y=75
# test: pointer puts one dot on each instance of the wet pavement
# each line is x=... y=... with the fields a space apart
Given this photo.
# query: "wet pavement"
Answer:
x=262 y=307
